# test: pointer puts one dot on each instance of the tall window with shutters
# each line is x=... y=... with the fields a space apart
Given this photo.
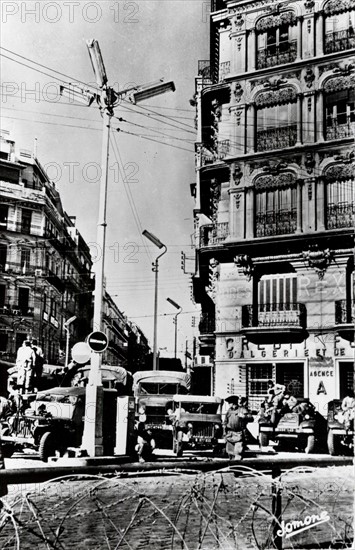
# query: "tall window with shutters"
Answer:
x=340 y=114
x=340 y=204
x=277 y=300
x=276 y=127
x=276 y=45
x=275 y=211
x=339 y=31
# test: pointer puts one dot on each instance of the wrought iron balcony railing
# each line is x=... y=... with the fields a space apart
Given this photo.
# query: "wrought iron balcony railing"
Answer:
x=344 y=312
x=281 y=222
x=207 y=324
x=278 y=315
x=224 y=69
x=339 y=41
x=340 y=131
x=276 y=138
x=17 y=311
x=340 y=215
x=277 y=54
x=213 y=234
x=223 y=148
x=204 y=68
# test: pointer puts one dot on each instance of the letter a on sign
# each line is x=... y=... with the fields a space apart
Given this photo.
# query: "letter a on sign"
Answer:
x=321 y=388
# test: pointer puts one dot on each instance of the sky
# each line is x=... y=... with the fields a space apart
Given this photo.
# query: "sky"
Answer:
x=141 y=42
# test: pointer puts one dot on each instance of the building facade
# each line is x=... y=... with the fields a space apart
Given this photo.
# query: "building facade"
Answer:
x=128 y=347
x=274 y=212
x=45 y=265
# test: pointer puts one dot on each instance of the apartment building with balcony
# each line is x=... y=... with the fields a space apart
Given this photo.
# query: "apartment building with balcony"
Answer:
x=45 y=265
x=274 y=197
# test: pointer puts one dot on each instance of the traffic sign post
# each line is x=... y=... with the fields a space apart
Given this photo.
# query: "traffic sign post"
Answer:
x=97 y=341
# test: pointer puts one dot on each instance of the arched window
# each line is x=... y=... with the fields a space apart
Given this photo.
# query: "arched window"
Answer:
x=275 y=205
x=276 y=40
x=339 y=29
x=276 y=127
x=340 y=114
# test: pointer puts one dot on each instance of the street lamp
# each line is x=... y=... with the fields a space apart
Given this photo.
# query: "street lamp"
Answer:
x=107 y=99
x=175 y=320
x=155 y=269
x=66 y=328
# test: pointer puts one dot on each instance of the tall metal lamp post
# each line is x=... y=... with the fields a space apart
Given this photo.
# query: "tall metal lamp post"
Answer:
x=66 y=328
x=107 y=99
x=175 y=320
x=155 y=269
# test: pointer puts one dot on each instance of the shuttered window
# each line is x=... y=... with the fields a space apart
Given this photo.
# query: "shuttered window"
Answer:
x=278 y=289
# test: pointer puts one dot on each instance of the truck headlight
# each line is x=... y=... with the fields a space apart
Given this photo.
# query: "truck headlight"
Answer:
x=189 y=425
x=307 y=417
x=217 y=427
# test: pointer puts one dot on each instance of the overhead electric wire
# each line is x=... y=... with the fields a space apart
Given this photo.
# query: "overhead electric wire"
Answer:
x=150 y=138
x=161 y=121
x=120 y=119
x=158 y=114
x=46 y=67
x=129 y=194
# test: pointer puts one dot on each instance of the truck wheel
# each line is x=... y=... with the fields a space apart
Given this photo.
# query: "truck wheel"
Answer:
x=47 y=446
x=311 y=441
x=263 y=439
x=332 y=443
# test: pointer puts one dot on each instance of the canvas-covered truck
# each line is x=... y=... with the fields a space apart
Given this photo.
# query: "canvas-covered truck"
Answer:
x=153 y=390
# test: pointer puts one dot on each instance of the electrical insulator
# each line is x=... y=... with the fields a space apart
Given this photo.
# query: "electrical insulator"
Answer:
x=183 y=261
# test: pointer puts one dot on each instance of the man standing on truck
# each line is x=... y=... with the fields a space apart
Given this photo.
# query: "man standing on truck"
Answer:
x=236 y=419
x=25 y=362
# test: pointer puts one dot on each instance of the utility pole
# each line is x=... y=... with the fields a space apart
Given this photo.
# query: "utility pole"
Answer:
x=107 y=99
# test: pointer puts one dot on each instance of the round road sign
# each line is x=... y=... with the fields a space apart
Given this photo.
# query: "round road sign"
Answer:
x=81 y=353
x=97 y=341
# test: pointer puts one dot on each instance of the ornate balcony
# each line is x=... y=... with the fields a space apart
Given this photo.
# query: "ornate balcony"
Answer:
x=340 y=215
x=282 y=222
x=340 y=131
x=277 y=55
x=276 y=138
x=213 y=234
x=339 y=41
x=287 y=319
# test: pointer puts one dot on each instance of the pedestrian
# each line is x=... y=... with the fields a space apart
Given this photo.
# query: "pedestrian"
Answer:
x=348 y=408
x=236 y=419
x=275 y=394
x=145 y=443
x=38 y=365
x=25 y=362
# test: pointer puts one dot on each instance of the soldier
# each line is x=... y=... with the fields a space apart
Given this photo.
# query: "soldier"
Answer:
x=235 y=423
x=25 y=362
x=38 y=365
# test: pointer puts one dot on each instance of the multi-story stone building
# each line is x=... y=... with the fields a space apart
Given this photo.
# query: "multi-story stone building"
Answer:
x=274 y=195
x=45 y=265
